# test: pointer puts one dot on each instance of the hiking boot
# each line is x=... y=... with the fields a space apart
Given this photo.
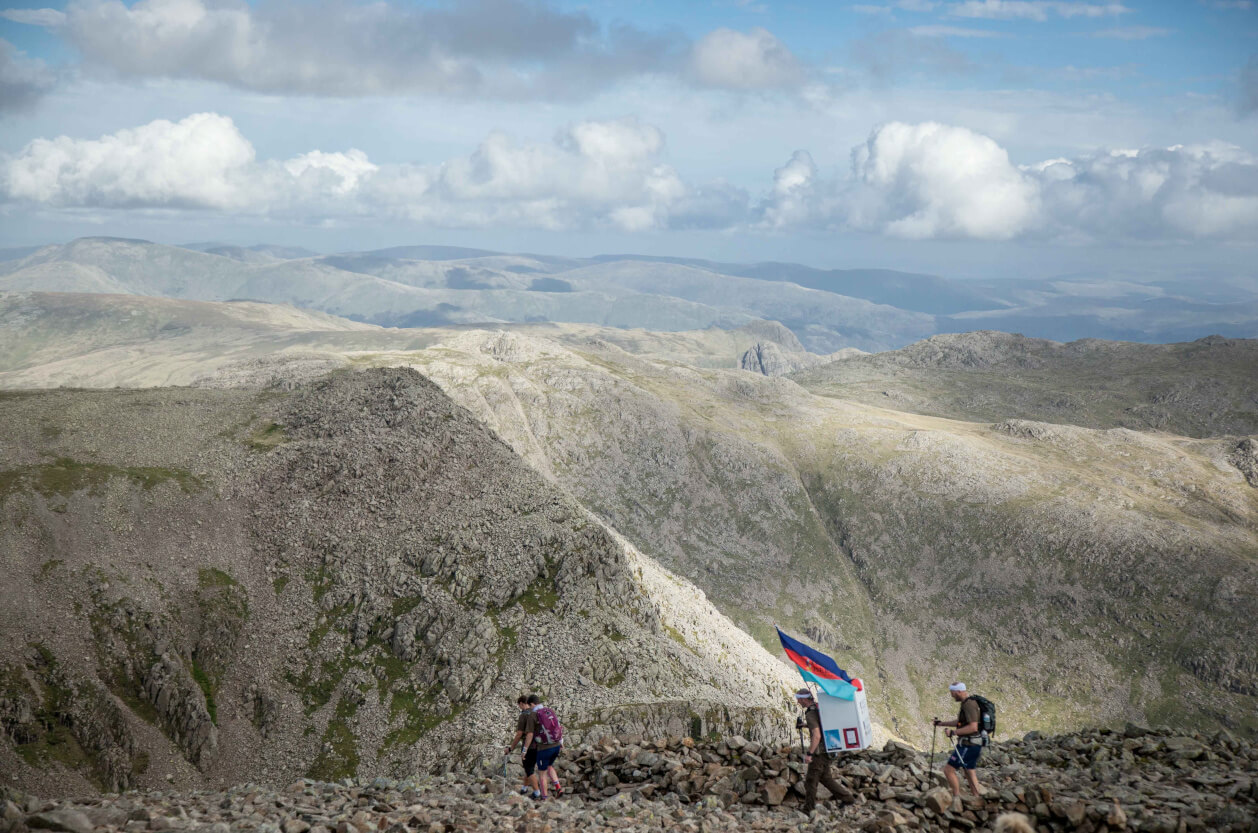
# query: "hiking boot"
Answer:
x=556 y=790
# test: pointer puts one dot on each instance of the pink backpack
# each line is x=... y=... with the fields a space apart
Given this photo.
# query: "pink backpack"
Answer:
x=548 y=723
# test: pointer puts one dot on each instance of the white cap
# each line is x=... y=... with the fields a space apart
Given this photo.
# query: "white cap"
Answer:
x=957 y=687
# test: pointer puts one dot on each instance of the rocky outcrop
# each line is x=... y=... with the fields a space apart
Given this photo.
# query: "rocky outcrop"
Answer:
x=52 y=716
x=1245 y=457
x=1096 y=781
x=770 y=359
x=144 y=663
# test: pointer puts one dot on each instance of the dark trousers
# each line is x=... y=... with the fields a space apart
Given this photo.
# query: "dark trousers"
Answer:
x=819 y=772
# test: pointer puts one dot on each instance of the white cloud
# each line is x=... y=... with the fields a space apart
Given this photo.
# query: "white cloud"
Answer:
x=1241 y=5
x=794 y=199
x=1038 y=10
x=1176 y=193
x=34 y=17
x=496 y=48
x=594 y=174
x=932 y=180
x=914 y=181
x=501 y=49
x=23 y=80
x=200 y=162
x=754 y=60
x=340 y=171
x=1132 y=32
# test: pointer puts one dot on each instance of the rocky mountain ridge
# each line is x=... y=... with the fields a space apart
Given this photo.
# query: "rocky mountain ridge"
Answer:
x=860 y=526
x=1199 y=389
x=349 y=576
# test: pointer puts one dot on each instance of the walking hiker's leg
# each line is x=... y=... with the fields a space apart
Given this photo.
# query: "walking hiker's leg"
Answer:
x=972 y=777
x=546 y=769
x=950 y=773
x=810 y=783
x=838 y=790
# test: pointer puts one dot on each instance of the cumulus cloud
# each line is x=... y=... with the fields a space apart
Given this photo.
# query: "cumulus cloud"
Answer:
x=605 y=173
x=912 y=181
x=796 y=193
x=1181 y=192
x=502 y=48
x=932 y=180
x=937 y=181
x=754 y=60
x=200 y=162
x=23 y=80
x=34 y=17
x=1037 y=10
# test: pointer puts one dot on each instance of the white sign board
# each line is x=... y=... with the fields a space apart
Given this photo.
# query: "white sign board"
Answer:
x=845 y=724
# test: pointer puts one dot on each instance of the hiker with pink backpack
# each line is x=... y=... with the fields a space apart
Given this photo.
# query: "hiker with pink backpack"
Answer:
x=547 y=735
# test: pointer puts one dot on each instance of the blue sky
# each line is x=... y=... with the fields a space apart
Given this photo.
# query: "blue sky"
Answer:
x=966 y=137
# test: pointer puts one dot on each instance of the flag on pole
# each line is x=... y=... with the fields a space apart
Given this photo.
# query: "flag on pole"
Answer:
x=816 y=667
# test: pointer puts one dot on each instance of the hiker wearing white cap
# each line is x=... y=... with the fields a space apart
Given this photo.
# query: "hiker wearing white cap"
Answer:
x=815 y=757
x=969 y=740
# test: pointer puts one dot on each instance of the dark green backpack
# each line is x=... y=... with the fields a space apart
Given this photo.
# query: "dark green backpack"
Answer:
x=986 y=714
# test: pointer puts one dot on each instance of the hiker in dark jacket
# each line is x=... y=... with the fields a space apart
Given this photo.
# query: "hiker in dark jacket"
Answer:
x=969 y=738
x=815 y=757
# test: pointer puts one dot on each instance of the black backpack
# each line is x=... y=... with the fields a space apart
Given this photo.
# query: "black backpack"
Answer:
x=986 y=714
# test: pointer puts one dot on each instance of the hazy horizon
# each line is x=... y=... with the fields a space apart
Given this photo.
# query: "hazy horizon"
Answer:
x=964 y=138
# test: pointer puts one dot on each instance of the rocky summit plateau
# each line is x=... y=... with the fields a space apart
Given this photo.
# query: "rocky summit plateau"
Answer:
x=285 y=535
x=1133 y=779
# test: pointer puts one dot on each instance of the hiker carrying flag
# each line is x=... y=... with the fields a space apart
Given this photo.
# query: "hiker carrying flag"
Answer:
x=815 y=756
x=816 y=667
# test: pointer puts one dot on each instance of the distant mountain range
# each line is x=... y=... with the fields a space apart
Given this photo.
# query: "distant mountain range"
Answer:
x=416 y=286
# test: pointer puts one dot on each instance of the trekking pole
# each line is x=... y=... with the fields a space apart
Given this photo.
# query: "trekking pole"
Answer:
x=933 y=732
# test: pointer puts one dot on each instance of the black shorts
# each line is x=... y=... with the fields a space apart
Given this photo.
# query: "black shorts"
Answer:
x=530 y=761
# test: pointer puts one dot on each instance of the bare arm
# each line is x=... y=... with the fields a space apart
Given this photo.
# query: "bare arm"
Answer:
x=814 y=741
x=967 y=729
x=514 y=741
